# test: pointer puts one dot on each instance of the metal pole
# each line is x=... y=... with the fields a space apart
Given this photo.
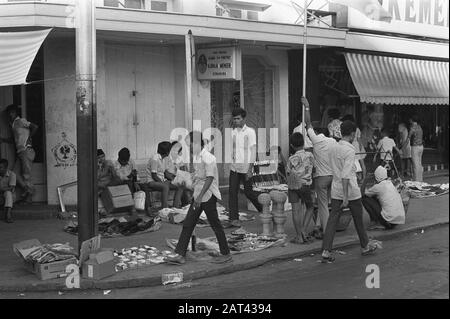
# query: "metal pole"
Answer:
x=86 y=120
x=305 y=46
x=189 y=108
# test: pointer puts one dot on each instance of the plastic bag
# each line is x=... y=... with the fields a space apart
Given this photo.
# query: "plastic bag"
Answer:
x=183 y=178
x=139 y=200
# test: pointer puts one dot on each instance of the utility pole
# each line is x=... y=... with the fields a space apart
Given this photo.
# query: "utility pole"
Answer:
x=86 y=120
x=305 y=53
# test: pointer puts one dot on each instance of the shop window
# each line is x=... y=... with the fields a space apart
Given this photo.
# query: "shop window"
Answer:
x=252 y=15
x=235 y=14
x=131 y=4
x=159 y=6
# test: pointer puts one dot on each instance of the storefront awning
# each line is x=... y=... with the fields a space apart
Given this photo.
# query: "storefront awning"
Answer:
x=17 y=53
x=390 y=80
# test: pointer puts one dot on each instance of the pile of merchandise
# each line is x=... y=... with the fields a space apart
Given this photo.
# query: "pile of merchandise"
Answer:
x=45 y=254
x=239 y=241
x=423 y=190
x=137 y=257
x=120 y=226
x=178 y=215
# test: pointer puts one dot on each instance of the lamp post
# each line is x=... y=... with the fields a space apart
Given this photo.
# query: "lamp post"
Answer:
x=86 y=105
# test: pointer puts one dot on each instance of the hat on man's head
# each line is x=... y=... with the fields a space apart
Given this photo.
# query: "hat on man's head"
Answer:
x=381 y=174
x=100 y=152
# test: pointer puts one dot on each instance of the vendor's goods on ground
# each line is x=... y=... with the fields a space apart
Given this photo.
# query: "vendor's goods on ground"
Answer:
x=46 y=261
x=121 y=226
x=239 y=241
x=137 y=257
x=423 y=190
x=178 y=215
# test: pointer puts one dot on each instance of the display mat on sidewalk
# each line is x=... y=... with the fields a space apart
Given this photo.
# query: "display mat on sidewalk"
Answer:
x=178 y=215
x=424 y=190
x=120 y=226
x=239 y=241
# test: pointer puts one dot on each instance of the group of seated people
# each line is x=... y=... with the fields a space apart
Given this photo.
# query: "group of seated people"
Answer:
x=160 y=172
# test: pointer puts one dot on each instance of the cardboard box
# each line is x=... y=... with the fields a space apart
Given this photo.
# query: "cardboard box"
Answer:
x=117 y=199
x=101 y=264
x=56 y=269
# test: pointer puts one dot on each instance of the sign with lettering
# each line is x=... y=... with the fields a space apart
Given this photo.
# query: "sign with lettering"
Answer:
x=427 y=18
x=216 y=64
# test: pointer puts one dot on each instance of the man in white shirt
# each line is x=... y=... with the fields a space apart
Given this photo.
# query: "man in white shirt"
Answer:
x=206 y=194
x=386 y=147
x=345 y=192
x=241 y=171
x=323 y=175
x=383 y=202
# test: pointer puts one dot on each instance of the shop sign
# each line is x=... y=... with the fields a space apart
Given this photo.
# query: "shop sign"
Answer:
x=427 y=18
x=216 y=64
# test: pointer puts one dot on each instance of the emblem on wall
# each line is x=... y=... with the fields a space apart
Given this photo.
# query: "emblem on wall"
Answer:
x=65 y=153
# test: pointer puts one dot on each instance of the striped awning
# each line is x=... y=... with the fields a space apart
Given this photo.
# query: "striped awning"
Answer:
x=390 y=80
x=17 y=53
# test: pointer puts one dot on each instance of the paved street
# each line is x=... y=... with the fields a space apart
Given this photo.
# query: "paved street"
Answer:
x=415 y=265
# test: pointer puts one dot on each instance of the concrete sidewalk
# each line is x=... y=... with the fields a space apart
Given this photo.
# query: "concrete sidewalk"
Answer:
x=422 y=214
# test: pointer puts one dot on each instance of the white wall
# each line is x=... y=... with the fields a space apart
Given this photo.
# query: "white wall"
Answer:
x=60 y=112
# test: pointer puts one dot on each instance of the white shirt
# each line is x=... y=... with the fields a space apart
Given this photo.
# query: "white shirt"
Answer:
x=299 y=129
x=205 y=165
x=21 y=131
x=124 y=171
x=242 y=139
x=342 y=159
x=390 y=200
x=386 y=144
x=321 y=149
x=156 y=165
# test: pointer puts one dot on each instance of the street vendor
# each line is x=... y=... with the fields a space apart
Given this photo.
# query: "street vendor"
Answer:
x=7 y=186
x=383 y=202
x=106 y=174
x=206 y=194
x=125 y=170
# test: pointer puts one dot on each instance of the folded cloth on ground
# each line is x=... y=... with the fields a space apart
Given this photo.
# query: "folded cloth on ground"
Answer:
x=423 y=190
x=239 y=241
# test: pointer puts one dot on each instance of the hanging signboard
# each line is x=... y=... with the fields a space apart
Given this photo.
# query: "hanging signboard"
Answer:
x=427 y=18
x=219 y=64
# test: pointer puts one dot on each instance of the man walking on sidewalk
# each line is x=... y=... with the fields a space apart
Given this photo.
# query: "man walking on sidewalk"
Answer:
x=244 y=156
x=206 y=194
x=345 y=192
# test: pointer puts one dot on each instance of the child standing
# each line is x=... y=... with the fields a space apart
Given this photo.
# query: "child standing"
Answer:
x=385 y=148
x=299 y=176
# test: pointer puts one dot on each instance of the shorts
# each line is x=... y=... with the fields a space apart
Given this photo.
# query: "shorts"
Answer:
x=304 y=195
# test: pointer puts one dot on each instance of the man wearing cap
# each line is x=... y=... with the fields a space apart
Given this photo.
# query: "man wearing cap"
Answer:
x=383 y=202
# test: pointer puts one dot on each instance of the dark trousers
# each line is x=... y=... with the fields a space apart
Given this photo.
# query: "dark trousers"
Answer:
x=373 y=208
x=192 y=217
x=235 y=181
x=357 y=214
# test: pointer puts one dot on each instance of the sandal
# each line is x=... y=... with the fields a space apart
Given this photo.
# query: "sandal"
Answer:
x=307 y=239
